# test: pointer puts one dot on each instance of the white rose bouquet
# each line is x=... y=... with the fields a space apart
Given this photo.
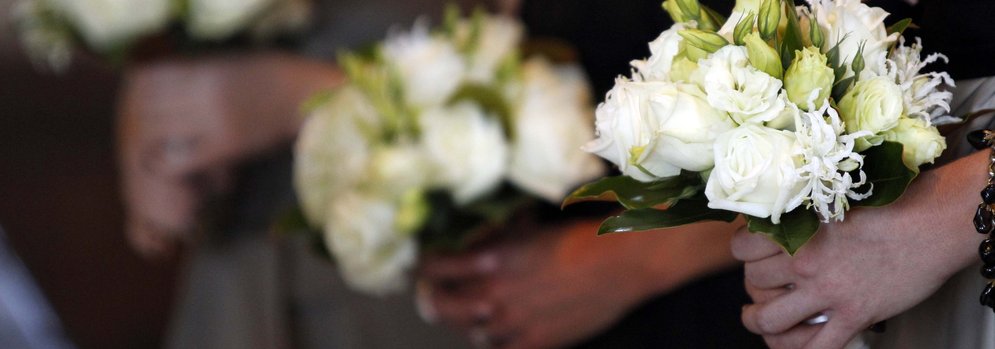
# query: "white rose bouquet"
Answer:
x=437 y=138
x=788 y=115
x=51 y=30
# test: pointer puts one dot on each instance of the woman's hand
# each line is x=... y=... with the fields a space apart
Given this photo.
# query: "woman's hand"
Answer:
x=877 y=264
x=183 y=124
x=555 y=288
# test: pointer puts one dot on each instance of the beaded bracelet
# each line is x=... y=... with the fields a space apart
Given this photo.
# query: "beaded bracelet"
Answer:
x=984 y=217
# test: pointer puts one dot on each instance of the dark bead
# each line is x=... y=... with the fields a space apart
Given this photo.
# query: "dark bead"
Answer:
x=988 y=194
x=879 y=327
x=977 y=139
x=987 y=251
x=987 y=296
x=988 y=271
x=983 y=220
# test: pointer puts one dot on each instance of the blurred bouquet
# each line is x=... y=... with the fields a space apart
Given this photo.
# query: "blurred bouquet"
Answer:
x=51 y=29
x=437 y=137
x=787 y=115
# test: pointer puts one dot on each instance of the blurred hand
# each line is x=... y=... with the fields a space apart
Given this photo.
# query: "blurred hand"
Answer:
x=555 y=288
x=184 y=123
x=877 y=264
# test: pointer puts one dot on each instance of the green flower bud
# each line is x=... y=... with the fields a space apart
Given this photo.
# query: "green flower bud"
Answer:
x=815 y=33
x=922 y=143
x=808 y=72
x=690 y=8
x=874 y=105
x=744 y=28
x=706 y=41
x=675 y=12
x=769 y=18
x=763 y=57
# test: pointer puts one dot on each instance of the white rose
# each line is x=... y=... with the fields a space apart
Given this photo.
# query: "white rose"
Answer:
x=397 y=169
x=106 y=24
x=331 y=154
x=497 y=41
x=662 y=52
x=371 y=254
x=430 y=67
x=220 y=19
x=858 y=24
x=652 y=130
x=467 y=147
x=922 y=142
x=734 y=86
x=874 y=106
x=552 y=121
x=756 y=172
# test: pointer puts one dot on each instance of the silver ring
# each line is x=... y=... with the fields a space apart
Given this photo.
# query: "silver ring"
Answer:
x=818 y=320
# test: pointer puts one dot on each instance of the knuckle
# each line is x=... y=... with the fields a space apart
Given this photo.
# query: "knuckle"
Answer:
x=804 y=266
x=765 y=321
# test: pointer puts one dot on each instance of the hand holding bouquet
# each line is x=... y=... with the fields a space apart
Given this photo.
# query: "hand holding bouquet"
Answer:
x=786 y=114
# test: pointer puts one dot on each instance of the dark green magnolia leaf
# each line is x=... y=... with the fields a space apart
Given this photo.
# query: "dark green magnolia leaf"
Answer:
x=887 y=172
x=633 y=194
x=900 y=26
x=796 y=228
x=792 y=40
x=683 y=213
x=490 y=99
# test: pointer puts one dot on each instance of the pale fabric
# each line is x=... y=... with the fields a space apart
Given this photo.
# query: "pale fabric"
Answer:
x=952 y=318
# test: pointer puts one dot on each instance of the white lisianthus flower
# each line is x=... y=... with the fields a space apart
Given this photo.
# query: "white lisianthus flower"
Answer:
x=923 y=97
x=756 y=172
x=663 y=51
x=734 y=86
x=497 y=41
x=220 y=19
x=430 y=67
x=552 y=121
x=105 y=24
x=370 y=253
x=396 y=169
x=851 y=23
x=653 y=130
x=829 y=157
x=467 y=147
x=922 y=142
x=873 y=105
x=332 y=153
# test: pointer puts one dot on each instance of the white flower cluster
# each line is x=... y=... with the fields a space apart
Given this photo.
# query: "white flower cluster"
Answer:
x=48 y=28
x=457 y=112
x=771 y=136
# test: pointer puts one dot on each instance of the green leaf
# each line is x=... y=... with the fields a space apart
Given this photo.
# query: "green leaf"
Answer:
x=633 y=194
x=887 y=172
x=900 y=26
x=682 y=213
x=841 y=87
x=796 y=228
x=792 y=40
x=490 y=99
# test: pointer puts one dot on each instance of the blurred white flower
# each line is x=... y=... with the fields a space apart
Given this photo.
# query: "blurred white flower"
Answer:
x=106 y=24
x=497 y=41
x=430 y=67
x=220 y=19
x=756 y=172
x=734 y=86
x=653 y=130
x=467 y=148
x=396 y=169
x=370 y=253
x=332 y=152
x=553 y=119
